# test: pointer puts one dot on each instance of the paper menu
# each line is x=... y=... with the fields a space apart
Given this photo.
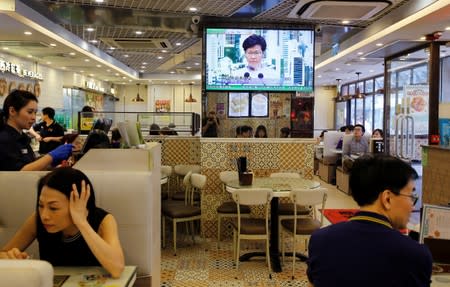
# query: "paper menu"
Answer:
x=435 y=222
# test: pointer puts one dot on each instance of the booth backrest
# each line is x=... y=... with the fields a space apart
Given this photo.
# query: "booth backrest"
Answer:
x=18 y=191
x=330 y=140
x=29 y=273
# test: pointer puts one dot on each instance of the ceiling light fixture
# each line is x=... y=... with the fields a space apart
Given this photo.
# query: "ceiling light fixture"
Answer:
x=193 y=9
x=28 y=33
x=138 y=97
x=5 y=48
x=447 y=28
x=53 y=44
x=90 y=29
x=345 y=22
x=379 y=44
x=139 y=32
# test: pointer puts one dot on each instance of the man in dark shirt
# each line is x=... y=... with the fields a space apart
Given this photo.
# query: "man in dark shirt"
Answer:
x=50 y=132
x=210 y=125
x=368 y=250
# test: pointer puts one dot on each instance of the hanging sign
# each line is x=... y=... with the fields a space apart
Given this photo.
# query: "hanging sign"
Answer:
x=15 y=69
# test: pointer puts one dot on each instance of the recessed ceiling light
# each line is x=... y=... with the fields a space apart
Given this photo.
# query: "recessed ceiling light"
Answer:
x=345 y=21
x=63 y=68
x=139 y=32
x=27 y=33
x=379 y=44
x=5 y=48
x=91 y=75
x=99 y=66
x=130 y=80
x=53 y=44
x=72 y=54
x=86 y=60
x=371 y=71
x=197 y=64
x=112 y=48
x=117 y=74
x=29 y=56
x=126 y=56
x=360 y=53
x=99 y=1
x=348 y=64
x=193 y=9
x=447 y=28
x=422 y=38
x=172 y=72
x=143 y=67
x=48 y=63
x=93 y=41
x=81 y=71
x=362 y=58
x=142 y=71
x=144 y=63
x=124 y=78
x=319 y=76
x=165 y=82
x=188 y=67
x=337 y=69
x=164 y=51
x=108 y=70
x=159 y=57
x=192 y=82
x=90 y=29
x=178 y=44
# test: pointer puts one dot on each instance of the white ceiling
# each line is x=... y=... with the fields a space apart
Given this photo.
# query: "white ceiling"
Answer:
x=171 y=20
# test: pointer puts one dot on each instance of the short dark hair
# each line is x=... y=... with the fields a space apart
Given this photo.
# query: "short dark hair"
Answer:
x=253 y=40
x=350 y=127
x=380 y=131
x=261 y=128
x=50 y=112
x=16 y=99
x=361 y=126
x=372 y=174
x=343 y=128
x=285 y=130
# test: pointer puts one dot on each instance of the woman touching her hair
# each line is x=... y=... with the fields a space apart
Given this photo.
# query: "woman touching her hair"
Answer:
x=70 y=229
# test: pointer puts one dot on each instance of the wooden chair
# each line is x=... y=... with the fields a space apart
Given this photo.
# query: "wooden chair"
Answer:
x=229 y=208
x=251 y=228
x=187 y=212
x=303 y=226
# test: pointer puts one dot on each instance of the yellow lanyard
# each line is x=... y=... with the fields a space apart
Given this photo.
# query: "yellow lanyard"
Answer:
x=372 y=219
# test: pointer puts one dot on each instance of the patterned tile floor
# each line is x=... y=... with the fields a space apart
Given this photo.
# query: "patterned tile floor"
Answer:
x=207 y=263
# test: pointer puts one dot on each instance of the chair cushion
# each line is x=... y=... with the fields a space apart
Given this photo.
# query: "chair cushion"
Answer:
x=180 y=195
x=180 y=211
x=251 y=225
x=231 y=208
x=288 y=209
x=305 y=226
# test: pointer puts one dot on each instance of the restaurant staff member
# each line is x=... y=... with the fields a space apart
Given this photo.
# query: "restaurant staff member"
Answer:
x=48 y=132
x=19 y=113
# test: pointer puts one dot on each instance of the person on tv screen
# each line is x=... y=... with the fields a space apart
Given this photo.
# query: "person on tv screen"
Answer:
x=256 y=72
x=70 y=229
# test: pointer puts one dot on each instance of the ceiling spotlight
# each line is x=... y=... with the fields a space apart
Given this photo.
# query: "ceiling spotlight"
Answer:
x=53 y=44
x=362 y=58
x=193 y=9
x=86 y=60
x=126 y=56
x=72 y=54
x=48 y=63
x=139 y=32
x=360 y=53
x=99 y=66
x=172 y=72
x=422 y=38
x=27 y=33
x=345 y=22
x=159 y=57
x=99 y=1
x=379 y=44
x=29 y=56
x=164 y=51
x=112 y=48
x=447 y=28
x=144 y=63
x=93 y=41
x=197 y=64
x=5 y=48
x=178 y=44
x=90 y=29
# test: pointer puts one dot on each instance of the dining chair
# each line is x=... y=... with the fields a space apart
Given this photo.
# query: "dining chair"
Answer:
x=228 y=209
x=251 y=228
x=180 y=170
x=166 y=170
x=286 y=209
x=303 y=226
x=187 y=212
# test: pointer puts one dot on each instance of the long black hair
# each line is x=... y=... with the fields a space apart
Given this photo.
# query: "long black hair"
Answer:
x=16 y=99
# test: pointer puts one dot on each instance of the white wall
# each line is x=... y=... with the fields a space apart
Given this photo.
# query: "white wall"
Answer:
x=323 y=108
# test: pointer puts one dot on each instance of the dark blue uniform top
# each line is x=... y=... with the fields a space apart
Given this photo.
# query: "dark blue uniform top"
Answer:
x=367 y=251
x=53 y=130
x=15 y=149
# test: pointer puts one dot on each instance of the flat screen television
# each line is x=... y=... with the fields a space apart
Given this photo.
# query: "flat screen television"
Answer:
x=259 y=59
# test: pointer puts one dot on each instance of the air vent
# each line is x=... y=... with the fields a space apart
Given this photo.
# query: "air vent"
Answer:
x=338 y=10
x=137 y=43
x=23 y=44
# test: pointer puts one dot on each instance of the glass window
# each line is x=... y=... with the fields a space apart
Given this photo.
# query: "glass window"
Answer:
x=420 y=75
x=341 y=114
x=352 y=111
x=378 y=113
x=361 y=87
x=369 y=86
x=379 y=83
x=445 y=84
x=403 y=78
x=344 y=90
x=368 y=109
x=359 y=111
x=351 y=89
x=393 y=80
x=393 y=112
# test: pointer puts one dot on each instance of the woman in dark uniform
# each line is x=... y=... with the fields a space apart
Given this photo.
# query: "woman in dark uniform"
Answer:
x=19 y=113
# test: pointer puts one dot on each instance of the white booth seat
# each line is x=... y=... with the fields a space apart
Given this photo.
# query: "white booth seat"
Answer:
x=29 y=273
x=127 y=184
x=18 y=192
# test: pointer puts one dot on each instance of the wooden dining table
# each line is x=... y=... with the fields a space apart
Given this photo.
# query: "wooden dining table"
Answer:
x=281 y=187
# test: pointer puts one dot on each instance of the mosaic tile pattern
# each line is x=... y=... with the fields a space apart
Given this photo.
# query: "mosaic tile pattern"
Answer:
x=208 y=263
x=183 y=150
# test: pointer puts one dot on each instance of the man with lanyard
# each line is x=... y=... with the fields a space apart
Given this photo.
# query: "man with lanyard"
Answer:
x=369 y=250
x=50 y=132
